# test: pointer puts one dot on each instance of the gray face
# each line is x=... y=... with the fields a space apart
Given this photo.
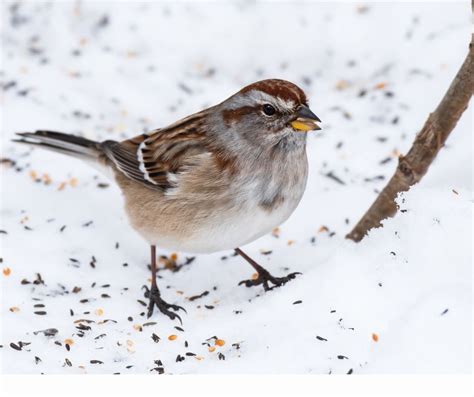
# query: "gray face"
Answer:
x=262 y=120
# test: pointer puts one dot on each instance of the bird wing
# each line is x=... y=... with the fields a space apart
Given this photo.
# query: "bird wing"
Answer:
x=154 y=159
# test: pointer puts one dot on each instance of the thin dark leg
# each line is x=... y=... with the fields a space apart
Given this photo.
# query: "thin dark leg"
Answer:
x=153 y=267
x=155 y=296
x=264 y=276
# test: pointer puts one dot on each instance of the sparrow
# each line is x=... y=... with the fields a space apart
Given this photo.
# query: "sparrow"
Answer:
x=215 y=180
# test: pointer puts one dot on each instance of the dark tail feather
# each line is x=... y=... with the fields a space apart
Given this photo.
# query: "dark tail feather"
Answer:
x=71 y=145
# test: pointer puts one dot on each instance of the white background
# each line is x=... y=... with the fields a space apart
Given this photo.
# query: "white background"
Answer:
x=153 y=63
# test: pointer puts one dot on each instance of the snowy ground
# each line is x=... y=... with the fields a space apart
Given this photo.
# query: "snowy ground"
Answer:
x=399 y=302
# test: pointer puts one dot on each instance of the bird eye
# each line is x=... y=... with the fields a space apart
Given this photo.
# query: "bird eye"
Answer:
x=269 y=110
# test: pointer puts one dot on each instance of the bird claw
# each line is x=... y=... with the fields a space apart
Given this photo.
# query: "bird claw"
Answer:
x=155 y=300
x=264 y=277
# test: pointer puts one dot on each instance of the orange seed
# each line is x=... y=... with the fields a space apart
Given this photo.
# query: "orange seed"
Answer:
x=380 y=86
x=323 y=229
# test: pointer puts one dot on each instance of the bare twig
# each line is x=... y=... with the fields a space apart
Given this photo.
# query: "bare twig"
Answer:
x=412 y=167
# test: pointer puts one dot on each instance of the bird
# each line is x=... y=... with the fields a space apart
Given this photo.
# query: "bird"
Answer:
x=212 y=181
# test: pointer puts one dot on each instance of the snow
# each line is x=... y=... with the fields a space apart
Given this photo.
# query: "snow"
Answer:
x=372 y=73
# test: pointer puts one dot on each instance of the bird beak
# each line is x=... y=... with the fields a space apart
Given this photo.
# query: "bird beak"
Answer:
x=306 y=120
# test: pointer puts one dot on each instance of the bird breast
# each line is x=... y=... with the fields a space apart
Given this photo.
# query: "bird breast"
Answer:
x=211 y=210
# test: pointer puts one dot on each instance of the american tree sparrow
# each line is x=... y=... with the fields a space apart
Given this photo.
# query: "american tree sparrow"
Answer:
x=213 y=181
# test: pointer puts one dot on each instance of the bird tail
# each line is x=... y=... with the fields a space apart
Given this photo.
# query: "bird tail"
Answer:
x=71 y=145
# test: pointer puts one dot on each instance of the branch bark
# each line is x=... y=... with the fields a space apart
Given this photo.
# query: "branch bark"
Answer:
x=412 y=167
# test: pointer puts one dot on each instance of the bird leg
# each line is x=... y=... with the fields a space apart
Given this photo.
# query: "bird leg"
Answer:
x=155 y=296
x=264 y=276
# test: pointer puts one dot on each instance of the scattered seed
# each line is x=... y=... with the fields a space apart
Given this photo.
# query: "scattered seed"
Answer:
x=193 y=298
x=15 y=346
x=47 y=332
x=172 y=337
x=335 y=178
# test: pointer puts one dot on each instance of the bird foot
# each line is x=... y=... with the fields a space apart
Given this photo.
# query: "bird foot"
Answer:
x=155 y=300
x=264 y=277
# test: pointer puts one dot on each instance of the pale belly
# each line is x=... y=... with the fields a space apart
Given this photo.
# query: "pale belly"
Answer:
x=223 y=232
x=206 y=219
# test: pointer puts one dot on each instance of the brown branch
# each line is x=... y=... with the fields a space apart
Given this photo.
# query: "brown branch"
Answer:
x=412 y=167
